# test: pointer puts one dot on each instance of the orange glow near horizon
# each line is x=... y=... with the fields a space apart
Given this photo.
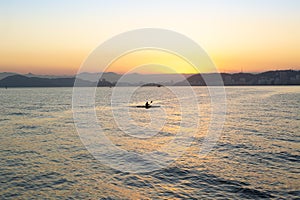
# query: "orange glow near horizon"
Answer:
x=151 y=62
x=67 y=63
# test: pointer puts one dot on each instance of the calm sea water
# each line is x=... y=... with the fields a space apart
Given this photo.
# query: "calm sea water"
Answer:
x=257 y=155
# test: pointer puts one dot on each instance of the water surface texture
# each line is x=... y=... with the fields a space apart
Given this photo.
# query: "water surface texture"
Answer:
x=257 y=155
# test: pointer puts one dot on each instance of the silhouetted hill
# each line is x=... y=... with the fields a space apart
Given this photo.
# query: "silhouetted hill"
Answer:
x=31 y=75
x=6 y=74
x=279 y=77
x=23 y=81
x=94 y=77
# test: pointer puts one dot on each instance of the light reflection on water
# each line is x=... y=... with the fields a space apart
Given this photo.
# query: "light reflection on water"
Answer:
x=257 y=155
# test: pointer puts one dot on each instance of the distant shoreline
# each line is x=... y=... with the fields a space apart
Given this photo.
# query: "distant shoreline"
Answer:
x=269 y=78
x=3 y=88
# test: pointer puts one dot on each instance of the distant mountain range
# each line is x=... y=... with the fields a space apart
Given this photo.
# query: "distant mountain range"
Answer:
x=280 y=77
x=30 y=75
x=6 y=74
x=87 y=79
x=24 y=81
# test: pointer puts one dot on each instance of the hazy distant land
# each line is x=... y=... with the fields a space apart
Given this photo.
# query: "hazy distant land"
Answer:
x=110 y=79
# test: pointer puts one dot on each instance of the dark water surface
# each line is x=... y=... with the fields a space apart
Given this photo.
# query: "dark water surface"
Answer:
x=257 y=155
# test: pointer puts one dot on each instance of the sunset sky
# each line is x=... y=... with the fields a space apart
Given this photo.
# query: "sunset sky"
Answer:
x=55 y=37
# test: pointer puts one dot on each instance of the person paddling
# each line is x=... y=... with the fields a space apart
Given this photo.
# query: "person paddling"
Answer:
x=148 y=105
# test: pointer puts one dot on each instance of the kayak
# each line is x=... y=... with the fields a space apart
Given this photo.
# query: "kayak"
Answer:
x=147 y=107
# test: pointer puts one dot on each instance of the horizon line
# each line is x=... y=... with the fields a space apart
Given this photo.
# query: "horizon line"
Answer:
x=224 y=72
